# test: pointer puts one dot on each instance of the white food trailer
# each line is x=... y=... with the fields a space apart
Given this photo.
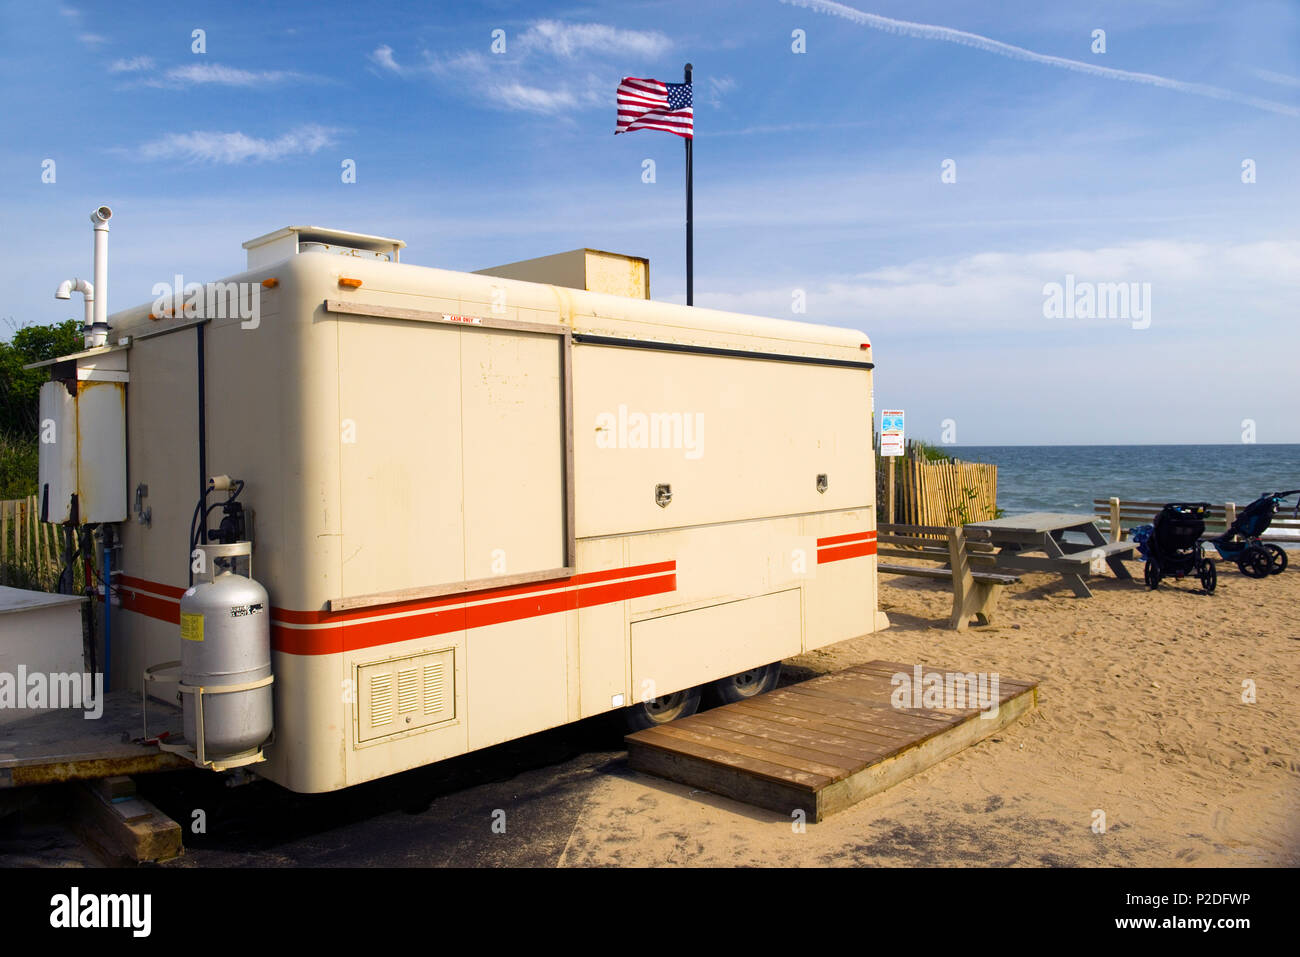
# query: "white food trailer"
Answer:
x=480 y=506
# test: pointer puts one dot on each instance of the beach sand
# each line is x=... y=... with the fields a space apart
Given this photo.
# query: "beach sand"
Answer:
x=1140 y=716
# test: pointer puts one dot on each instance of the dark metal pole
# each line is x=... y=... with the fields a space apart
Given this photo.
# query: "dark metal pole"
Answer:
x=203 y=417
x=690 y=213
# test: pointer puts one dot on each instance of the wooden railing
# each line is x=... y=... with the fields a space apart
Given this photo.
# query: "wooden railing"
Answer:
x=1125 y=514
x=29 y=548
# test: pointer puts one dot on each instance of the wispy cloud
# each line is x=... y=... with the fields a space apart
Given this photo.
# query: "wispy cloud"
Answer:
x=1281 y=79
x=205 y=146
x=383 y=56
x=569 y=39
x=926 y=31
x=92 y=39
x=1006 y=288
x=533 y=99
x=719 y=86
x=792 y=128
x=133 y=64
x=204 y=74
x=535 y=74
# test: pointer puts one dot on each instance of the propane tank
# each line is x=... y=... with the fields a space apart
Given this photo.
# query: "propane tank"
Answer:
x=226 y=640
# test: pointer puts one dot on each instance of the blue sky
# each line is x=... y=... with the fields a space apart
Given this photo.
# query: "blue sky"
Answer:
x=817 y=172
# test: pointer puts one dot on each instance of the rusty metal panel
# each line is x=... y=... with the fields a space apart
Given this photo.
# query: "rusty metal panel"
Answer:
x=101 y=451
x=617 y=274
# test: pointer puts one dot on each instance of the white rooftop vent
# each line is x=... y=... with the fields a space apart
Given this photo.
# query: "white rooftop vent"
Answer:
x=283 y=243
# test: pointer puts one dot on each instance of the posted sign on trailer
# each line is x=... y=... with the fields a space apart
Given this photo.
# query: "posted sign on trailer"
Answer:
x=891 y=432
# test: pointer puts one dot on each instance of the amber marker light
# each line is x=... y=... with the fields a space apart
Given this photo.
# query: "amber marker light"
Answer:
x=270 y=283
x=349 y=283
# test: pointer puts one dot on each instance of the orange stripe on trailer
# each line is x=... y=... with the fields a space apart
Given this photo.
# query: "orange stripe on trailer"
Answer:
x=163 y=609
x=851 y=537
x=331 y=633
x=171 y=591
x=367 y=634
x=841 y=552
x=330 y=617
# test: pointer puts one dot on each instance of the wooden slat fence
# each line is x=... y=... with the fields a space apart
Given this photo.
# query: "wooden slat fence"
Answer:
x=936 y=493
x=29 y=548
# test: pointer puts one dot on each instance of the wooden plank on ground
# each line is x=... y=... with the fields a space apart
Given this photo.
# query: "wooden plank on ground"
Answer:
x=129 y=831
x=821 y=745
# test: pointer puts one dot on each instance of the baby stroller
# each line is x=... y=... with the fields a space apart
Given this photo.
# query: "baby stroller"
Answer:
x=1171 y=545
x=1241 y=544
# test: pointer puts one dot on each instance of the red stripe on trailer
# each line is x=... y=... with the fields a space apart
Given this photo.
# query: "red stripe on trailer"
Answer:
x=334 y=632
x=289 y=616
x=171 y=591
x=164 y=609
x=367 y=634
x=841 y=552
x=840 y=539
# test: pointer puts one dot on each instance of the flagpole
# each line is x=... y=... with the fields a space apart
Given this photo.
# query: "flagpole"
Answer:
x=690 y=215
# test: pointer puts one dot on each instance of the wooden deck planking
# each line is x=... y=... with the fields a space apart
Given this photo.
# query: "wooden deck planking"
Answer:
x=62 y=745
x=821 y=745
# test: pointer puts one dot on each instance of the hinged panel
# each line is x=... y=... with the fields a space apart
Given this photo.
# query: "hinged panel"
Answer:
x=398 y=695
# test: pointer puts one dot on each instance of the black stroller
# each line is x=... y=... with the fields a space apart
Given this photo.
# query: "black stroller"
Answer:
x=1171 y=545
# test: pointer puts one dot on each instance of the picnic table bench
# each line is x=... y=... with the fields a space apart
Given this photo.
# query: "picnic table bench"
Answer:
x=1045 y=532
x=958 y=549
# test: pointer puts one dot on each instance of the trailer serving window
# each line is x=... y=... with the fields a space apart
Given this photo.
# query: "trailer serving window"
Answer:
x=472 y=489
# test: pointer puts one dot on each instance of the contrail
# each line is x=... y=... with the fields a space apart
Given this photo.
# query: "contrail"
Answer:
x=926 y=31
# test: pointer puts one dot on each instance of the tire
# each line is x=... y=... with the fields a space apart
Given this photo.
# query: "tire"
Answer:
x=747 y=684
x=1209 y=576
x=1151 y=575
x=1255 y=562
x=1279 y=559
x=659 y=711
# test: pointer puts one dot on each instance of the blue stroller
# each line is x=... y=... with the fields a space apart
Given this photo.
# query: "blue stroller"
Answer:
x=1171 y=545
x=1241 y=544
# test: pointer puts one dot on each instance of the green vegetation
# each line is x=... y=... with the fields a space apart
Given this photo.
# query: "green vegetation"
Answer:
x=19 y=395
x=930 y=452
x=17 y=467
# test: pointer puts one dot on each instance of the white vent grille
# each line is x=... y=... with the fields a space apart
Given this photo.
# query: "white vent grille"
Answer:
x=433 y=688
x=408 y=690
x=405 y=694
x=381 y=699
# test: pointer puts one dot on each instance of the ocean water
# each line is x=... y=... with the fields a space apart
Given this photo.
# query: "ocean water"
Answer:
x=1069 y=477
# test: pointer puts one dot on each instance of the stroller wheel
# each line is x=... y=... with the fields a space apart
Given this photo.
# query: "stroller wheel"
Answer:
x=1151 y=575
x=1209 y=576
x=1279 y=558
x=1255 y=562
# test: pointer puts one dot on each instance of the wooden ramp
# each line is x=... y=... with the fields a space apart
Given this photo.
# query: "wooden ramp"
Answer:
x=822 y=745
x=63 y=745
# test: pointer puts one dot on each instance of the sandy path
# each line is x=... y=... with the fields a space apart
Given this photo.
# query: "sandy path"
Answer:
x=1140 y=716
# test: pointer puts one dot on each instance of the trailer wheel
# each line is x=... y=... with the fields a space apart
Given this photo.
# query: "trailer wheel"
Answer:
x=1279 y=558
x=661 y=710
x=747 y=684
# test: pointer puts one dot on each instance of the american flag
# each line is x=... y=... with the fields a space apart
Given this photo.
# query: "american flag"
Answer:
x=652 y=105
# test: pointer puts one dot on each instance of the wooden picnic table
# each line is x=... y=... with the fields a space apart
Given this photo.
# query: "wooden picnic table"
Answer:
x=1018 y=535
